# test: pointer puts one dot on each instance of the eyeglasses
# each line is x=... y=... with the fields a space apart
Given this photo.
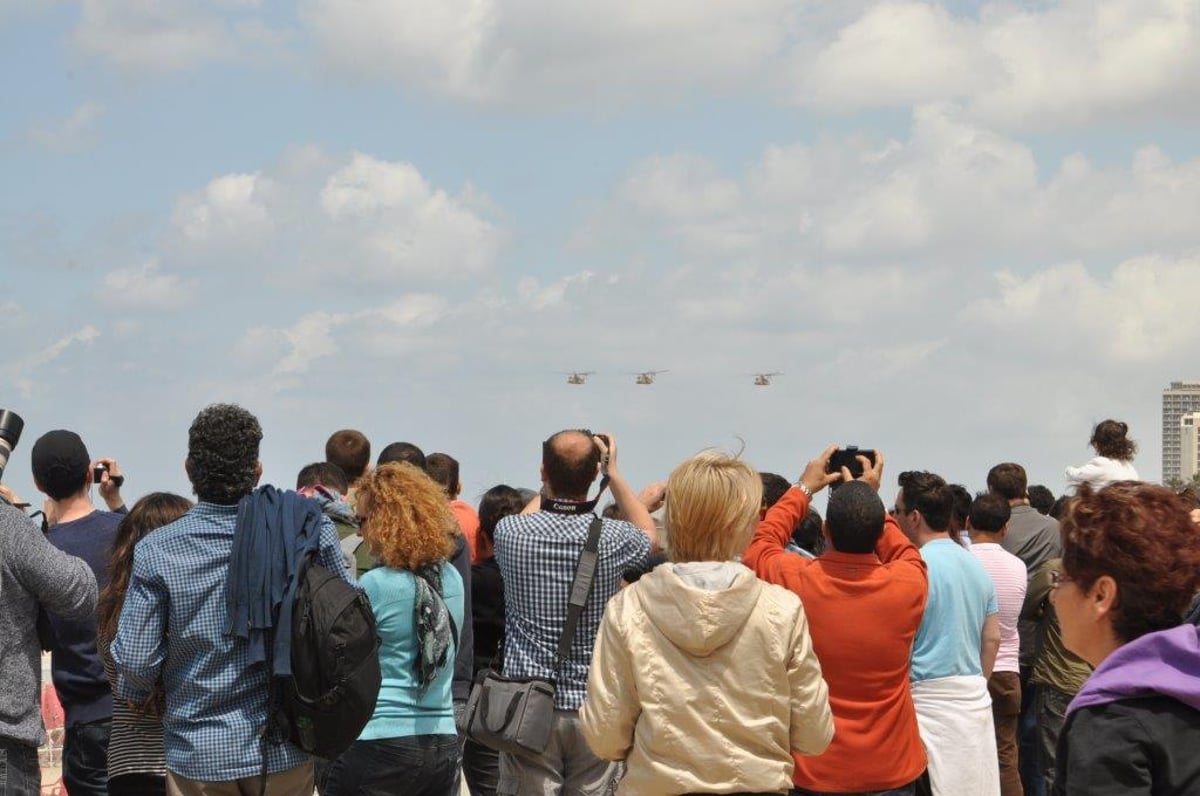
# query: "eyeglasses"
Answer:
x=362 y=520
x=1059 y=578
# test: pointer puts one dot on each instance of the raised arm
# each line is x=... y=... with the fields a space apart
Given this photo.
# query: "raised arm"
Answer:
x=767 y=554
x=631 y=507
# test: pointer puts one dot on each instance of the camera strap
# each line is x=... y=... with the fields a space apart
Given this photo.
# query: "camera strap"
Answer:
x=560 y=506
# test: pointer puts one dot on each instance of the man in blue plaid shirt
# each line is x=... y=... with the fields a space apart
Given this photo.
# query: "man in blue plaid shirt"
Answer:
x=173 y=627
x=537 y=552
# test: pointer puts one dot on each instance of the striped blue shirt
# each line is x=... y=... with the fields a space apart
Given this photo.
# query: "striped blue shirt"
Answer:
x=172 y=628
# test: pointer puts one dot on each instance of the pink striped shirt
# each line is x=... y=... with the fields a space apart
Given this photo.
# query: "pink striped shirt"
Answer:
x=1010 y=578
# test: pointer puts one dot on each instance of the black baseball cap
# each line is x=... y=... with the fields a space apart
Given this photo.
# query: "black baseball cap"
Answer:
x=60 y=463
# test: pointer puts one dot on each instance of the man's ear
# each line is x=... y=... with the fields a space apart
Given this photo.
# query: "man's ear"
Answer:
x=458 y=489
x=542 y=471
x=187 y=467
x=257 y=472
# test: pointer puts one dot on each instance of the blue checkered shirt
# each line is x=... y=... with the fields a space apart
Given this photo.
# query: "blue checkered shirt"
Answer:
x=173 y=628
x=537 y=554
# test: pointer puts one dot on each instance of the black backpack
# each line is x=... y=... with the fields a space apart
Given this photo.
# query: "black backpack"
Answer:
x=335 y=679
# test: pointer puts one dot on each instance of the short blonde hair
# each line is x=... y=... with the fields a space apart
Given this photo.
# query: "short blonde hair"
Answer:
x=408 y=522
x=712 y=506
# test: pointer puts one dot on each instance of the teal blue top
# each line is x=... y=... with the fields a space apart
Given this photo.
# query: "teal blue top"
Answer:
x=961 y=597
x=402 y=709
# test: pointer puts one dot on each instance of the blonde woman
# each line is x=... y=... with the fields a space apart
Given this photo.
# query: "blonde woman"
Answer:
x=410 y=744
x=704 y=678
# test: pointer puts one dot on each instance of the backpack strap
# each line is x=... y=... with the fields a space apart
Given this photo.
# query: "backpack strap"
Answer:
x=581 y=588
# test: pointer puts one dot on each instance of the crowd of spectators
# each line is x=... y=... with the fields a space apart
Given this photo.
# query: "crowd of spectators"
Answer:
x=732 y=640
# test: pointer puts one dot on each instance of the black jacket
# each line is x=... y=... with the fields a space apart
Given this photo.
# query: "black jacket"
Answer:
x=1131 y=747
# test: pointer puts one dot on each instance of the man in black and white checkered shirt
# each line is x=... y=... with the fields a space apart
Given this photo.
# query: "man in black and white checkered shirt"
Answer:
x=537 y=552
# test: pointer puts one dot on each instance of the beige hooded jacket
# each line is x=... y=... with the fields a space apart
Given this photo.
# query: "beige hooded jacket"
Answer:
x=702 y=680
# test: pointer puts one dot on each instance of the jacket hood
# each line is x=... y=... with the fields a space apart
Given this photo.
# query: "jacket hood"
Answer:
x=1166 y=663
x=701 y=606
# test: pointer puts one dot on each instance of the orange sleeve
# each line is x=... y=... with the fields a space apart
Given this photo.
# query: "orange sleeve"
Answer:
x=893 y=545
x=767 y=554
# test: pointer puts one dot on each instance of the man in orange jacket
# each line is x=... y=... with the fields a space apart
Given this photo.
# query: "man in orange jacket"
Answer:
x=864 y=598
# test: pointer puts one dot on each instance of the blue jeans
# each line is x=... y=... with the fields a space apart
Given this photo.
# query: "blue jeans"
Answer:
x=20 y=774
x=85 y=758
x=416 y=765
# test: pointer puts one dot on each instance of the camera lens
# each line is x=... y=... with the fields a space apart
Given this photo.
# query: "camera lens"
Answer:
x=11 y=426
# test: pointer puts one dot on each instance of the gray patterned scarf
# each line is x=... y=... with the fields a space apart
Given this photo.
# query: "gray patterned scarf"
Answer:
x=436 y=632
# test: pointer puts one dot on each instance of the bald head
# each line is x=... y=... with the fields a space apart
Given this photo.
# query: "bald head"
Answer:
x=570 y=462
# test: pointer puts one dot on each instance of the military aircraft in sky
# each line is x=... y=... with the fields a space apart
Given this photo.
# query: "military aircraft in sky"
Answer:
x=764 y=379
x=578 y=376
x=646 y=376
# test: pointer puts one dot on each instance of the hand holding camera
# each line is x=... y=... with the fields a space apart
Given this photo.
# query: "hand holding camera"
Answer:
x=106 y=474
x=856 y=464
x=608 y=451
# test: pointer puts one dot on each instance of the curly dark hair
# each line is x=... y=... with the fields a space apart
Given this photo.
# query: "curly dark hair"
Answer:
x=223 y=453
x=1141 y=536
x=1110 y=438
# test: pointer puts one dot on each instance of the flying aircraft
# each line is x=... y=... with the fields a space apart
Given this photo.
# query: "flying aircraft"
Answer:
x=647 y=376
x=764 y=379
x=578 y=376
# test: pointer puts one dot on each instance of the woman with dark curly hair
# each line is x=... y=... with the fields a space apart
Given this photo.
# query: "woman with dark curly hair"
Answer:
x=1130 y=565
x=410 y=745
x=135 y=747
x=1113 y=460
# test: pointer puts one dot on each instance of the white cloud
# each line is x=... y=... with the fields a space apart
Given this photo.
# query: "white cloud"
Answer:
x=142 y=287
x=356 y=220
x=234 y=205
x=1143 y=311
x=531 y=52
x=896 y=53
x=23 y=369
x=71 y=134
x=391 y=329
x=1068 y=63
x=539 y=297
x=952 y=192
x=154 y=36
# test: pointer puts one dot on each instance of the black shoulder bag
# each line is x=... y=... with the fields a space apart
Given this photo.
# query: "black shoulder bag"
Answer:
x=517 y=715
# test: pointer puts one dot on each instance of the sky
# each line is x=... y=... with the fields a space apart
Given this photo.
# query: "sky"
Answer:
x=962 y=232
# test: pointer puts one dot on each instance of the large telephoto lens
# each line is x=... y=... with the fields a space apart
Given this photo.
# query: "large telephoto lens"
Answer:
x=11 y=426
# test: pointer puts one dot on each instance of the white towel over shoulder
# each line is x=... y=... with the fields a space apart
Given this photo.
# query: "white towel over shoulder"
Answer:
x=954 y=715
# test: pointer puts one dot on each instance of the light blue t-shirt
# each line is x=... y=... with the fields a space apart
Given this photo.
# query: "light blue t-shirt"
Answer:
x=961 y=597
x=402 y=709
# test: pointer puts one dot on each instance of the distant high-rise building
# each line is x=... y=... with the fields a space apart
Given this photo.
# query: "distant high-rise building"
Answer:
x=1181 y=398
x=1189 y=446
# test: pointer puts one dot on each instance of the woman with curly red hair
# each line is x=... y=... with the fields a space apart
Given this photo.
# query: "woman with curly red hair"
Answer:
x=1131 y=563
x=410 y=745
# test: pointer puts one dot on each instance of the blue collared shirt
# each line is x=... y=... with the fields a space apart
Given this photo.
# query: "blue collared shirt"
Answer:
x=172 y=629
